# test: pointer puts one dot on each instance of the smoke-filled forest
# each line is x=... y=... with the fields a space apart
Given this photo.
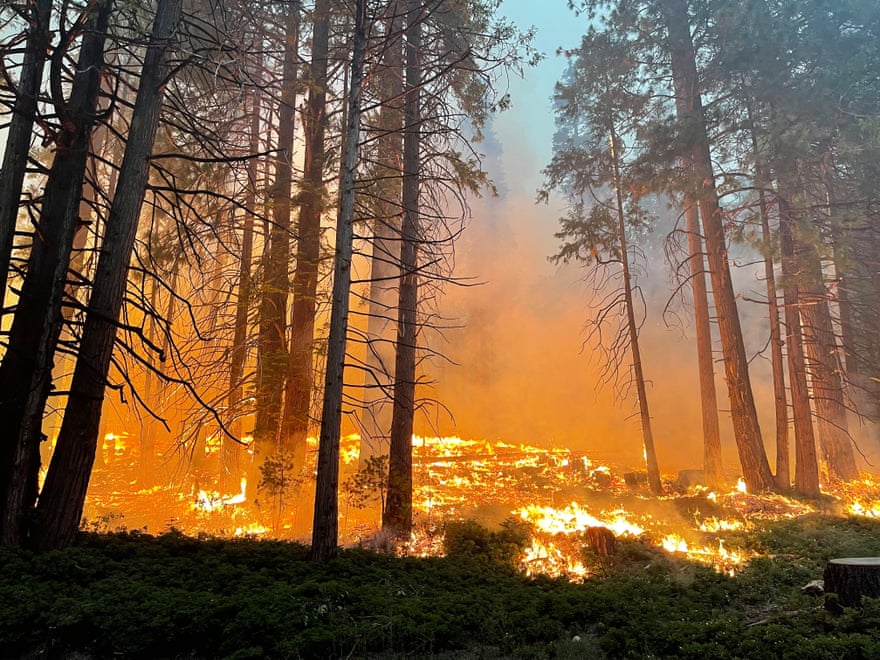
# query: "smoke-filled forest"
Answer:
x=346 y=282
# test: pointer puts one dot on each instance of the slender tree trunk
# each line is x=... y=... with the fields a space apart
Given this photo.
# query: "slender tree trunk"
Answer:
x=633 y=330
x=26 y=371
x=325 y=528
x=61 y=502
x=747 y=431
x=18 y=136
x=231 y=449
x=298 y=394
x=385 y=259
x=273 y=357
x=777 y=361
x=806 y=473
x=397 y=515
x=712 y=464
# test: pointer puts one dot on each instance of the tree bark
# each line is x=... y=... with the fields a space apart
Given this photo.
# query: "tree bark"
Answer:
x=397 y=515
x=851 y=578
x=26 y=371
x=298 y=393
x=712 y=464
x=238 y=354
x=273 y=354
x=325 y=528
x=747 y=432
x=806 y=472
x=18 y=136
x=385 y=258
x=824 y=369
x=61 y=501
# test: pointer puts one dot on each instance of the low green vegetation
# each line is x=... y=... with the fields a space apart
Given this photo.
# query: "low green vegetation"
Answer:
x=138 y=596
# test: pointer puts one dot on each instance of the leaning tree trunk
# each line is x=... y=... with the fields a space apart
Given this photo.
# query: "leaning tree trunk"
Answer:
x=18 y=135
x=806 y=471
x=325 y=528
x=747 y=431
x=298 y=393
x=397 y=514
x=61 y=501
x=273 y=355
x=712 y=465
x=26 y=371
x=633 y=329
x=385 y=258
x=824 y=368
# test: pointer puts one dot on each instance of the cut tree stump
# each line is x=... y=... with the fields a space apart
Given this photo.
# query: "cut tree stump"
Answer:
x=851 y=578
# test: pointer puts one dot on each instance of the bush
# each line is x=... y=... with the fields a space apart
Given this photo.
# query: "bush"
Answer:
x=470 y=538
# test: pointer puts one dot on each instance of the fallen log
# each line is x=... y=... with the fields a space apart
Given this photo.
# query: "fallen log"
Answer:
x=850 y=578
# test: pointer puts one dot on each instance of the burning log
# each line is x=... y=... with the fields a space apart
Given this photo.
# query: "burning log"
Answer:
x=602 y=541
x=851 y=578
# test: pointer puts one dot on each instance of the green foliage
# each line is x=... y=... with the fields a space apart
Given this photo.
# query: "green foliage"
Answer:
x=471 y=539
x=368 y=484
x=138 y=596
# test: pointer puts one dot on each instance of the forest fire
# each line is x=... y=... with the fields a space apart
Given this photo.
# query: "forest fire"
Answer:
x=556 y=493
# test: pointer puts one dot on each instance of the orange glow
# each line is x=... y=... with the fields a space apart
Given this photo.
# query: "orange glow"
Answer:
x=557 y=493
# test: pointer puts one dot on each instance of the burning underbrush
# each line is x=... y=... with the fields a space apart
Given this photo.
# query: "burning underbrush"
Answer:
x=575 y=512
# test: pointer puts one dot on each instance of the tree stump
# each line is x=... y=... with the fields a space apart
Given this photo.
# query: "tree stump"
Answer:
x=602 y=541
x=851 y=578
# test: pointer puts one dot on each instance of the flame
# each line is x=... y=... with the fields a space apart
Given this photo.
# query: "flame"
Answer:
x=558 y=493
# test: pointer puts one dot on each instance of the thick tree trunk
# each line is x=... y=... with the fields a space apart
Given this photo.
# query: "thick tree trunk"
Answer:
x=298 y=394
x=61 y=501
x=806 y=472
x=712 y=465
x=747 y=432
x=26 y=371
x=824 y=369
x=397 y=515
x=273 y=354
x=325 y=528
x=18 y=135
x=385 y=259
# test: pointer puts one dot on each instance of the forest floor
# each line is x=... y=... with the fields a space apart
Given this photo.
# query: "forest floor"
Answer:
x=137 y=596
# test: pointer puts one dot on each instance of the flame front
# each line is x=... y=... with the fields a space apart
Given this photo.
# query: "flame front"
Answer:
x=458 y=478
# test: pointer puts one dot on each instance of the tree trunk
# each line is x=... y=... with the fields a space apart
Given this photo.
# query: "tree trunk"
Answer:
x=26 y=371
x=18 y=136
x=712 y=465
x=273 y=355
x=238 y=354
x=633 y=330
x=298 y=394
x=747 y=432
x=397 y=514
x=777 y=360
x=61 y=502
x=325 y=528
x=385 y=259
x=825 y=369
x=806 y=472
x=851 y=578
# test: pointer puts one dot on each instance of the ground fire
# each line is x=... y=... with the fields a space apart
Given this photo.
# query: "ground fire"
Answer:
x=563 y=498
